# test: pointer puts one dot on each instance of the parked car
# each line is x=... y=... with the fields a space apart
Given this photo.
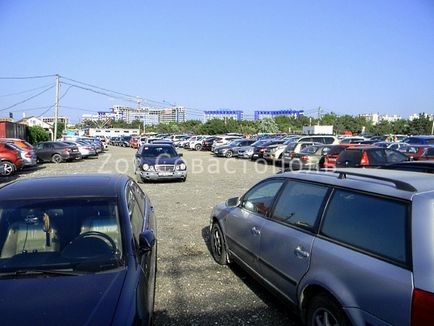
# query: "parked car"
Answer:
x=195 y=143
x=56 y=152
x=294 y=148
x=231 y=149
x=159 y=162
x=258 y=151
x=369 y=157
x=208 y=142
x=324 y=139
x=223 y=140
x=413 y=152
x=246 y=152
x=134 y=142
x=275 y=152
x=329 y=160
x=310 y=157
x=178 y=140
x=399 y=146
x=10 y=159
x=346 y=248
x=353 y=140
x=428 y=154
x=419 y=140
x=414 y=166
x=82 y=243
x=86 y=150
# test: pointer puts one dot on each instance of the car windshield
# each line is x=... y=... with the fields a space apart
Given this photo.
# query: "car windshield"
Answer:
x=156 y=151
x=68 y=234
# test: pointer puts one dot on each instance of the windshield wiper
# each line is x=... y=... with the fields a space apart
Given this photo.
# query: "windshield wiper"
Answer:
x=45 y=272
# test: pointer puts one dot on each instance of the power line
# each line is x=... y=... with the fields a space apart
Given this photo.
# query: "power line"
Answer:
x=28 y=77
x=27 y=99
x=52 y=106
x=26 y=91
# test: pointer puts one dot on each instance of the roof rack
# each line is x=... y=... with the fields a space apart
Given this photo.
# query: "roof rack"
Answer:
x=401 y=185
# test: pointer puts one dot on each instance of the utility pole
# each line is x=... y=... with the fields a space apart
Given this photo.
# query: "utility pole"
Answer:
x=56 y=107
x=432 y=128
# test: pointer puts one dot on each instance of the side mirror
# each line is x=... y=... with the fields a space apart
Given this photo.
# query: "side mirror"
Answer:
x=180 y=154
x=232 y=202
x=137 y=155
x=146 y=241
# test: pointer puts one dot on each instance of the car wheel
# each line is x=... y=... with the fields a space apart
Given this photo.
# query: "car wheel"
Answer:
x=198 y=147
x=229 y=154
x=218 y=245
x=323 y=310
x=8 y=168
x=56 y=158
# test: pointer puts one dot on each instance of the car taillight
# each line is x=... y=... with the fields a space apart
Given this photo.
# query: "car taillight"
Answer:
x=422 y=308
x=28 y=155
x=304 y=158
x=365 y=159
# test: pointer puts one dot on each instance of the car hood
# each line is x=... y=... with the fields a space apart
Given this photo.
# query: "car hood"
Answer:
x=162 y=160
x=89 y=299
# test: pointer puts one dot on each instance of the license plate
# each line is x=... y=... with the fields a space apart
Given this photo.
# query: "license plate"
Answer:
x=165 y=173
x=332 y=159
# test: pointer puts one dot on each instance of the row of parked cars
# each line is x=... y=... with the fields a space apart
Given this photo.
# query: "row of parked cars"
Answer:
x=18 y=154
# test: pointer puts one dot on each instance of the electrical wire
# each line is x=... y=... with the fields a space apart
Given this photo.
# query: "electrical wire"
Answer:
x=26 y=91
x=52 y=106
x=28 y=77
x=27 y=99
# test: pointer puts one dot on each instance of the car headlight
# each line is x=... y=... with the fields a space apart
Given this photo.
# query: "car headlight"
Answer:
x=181 y=167
x=145 y=167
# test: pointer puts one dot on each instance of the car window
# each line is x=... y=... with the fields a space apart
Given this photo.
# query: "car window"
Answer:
x=328 y=140
x=429 y=152
x=136 y=215
x=369 y=223
x=429 y=141
x=299 y=204
x=353 y=156
x=376 y=157
x=260 y=198
x=394 y=157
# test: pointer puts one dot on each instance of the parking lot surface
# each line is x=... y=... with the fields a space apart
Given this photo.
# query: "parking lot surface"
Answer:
x=192 y=289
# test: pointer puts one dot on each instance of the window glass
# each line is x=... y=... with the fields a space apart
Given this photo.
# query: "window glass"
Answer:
x=376 y=157
x=260 y=198
x=373 y=224
x=135 y=213
x=429 y=141
x=299 y=204
x=395 y=157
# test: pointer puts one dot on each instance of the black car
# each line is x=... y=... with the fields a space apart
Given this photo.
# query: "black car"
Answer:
x=415 y=166
x=369 y=157
x=76 y=250
x=258 y=151
x=56 y=152
x=159 y=162
x=208 y=142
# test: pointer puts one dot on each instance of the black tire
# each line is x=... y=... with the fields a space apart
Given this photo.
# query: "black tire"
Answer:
x=218 y=245
x=56 y=158
x=229 y=154
x=9 y=168
x=323 y=308
x=198 y=147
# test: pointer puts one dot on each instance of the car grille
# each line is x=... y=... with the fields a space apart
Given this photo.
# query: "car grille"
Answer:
x=164 y=168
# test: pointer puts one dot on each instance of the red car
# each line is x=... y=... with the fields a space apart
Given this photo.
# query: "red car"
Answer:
x=134 y=142
x=414 y=152
x=329 y=160
x=10 y=159
x=427 y=155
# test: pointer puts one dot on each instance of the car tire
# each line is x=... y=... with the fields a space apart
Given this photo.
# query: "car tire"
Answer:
x=56 y=158
x=324 y=310
x=9 y=168
x=198 y=147
x=218 y=245
x=229 y=154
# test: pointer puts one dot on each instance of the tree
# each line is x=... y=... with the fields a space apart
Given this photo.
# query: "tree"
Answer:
x=420 y=126
x=268 y=125
x=60 y=129
x=37 y=134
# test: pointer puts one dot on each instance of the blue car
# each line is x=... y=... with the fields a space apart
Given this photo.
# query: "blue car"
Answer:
x=419 y=140
x=76 y=250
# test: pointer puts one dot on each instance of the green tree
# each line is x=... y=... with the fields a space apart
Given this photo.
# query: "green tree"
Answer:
x=268 y=125
x=420 y=126
x=37 y=134
x=60 y=129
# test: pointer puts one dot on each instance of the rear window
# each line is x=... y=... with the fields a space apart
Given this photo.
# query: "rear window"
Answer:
x=335 y=150
x=375 y=225
x=353 y=156
x=376 y=157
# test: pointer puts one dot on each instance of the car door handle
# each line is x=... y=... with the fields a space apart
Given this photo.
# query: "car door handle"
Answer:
x=300 y=253
x=255 y=231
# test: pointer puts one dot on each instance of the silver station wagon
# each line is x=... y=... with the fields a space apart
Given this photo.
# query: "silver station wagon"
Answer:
x=349 y=247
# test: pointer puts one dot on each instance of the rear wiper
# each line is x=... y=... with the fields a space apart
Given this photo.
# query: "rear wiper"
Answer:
x=47 y=272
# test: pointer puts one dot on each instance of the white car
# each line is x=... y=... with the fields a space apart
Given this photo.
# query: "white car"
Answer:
x=223 y=140
x=195 y=142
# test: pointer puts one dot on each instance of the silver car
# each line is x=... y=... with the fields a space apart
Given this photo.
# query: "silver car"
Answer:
x=350 y=247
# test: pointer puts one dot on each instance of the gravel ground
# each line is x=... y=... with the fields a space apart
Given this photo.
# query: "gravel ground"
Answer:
x=192 y=289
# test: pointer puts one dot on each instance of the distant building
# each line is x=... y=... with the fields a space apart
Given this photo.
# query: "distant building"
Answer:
x=111 y=132
x=224 y=114
x=417 y=115
x=175 y=114
x=261 y=114
x=390 y=118
x=35 y=121
x=318 y=130
x=376 y=117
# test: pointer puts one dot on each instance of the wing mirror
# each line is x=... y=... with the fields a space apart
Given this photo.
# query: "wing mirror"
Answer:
x=180 y=154
x=232 y=202
x=146 y=241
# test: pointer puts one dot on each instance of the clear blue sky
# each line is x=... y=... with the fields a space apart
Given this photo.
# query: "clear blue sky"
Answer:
x=345 y=56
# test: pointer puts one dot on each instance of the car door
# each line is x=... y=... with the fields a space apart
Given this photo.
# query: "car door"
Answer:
x=46 y=152
x=288 y=235
x=243 y=223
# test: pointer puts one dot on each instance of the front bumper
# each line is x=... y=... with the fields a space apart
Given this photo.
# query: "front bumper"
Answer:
x=154 y=175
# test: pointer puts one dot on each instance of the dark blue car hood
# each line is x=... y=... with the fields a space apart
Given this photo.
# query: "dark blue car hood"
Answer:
x=61 y=300
x=161 y=160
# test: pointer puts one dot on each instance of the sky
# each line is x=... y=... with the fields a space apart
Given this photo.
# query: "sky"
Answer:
x=347 y=57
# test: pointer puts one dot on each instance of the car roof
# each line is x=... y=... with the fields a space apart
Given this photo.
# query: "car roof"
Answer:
x=162 y=144
x=64 y=186
x=371 y=180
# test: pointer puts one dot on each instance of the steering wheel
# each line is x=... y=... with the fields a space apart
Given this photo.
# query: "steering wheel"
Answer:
x=81 y=246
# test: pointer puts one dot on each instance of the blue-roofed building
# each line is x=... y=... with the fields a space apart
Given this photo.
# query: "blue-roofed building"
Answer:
x=224 y=114
x=261 y=114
